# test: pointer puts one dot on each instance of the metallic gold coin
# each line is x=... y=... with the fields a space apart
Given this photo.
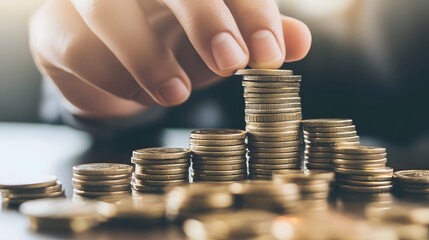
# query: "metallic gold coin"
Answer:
x=276 y=150
x=318 y=149
x=218 y=134
x=274 y=167
x=318 y=160
x=322 y=166
x=267 y=84
x=310 y=144
x=215 y=142
x=161 y=177
x=161 y=153
x=359 y=162
x=273 y=111
x=147 y=189
x=16 y=181
x=363 y=183
x=272 y=90
x=359 y=157
x=163 y=166
x=361 y=166
x=283 y=124
x=113 y=188
x=292 y=78
x=219 y=167
x=99 y=194
x=256 y=130
x=319 y=154
x=274 y=161
x=330 y=135
x=219 y=154
x=219 y=178
x=272 y=105
x=371 y=189
x=264 y=72
x=349 y=128
x=160 y=161
x=160 y=182
x=386 y=177
x=102 y=169
x=305 y=175
x=143 y=170
x=257 y=171
x=220 y=173
x=267 y=101
x=332 y=140
x=383 y=171
x=30 y=196
x=200 y=162
x=415 y=190
x=412 y=176
x=327 y=122
x=270 y=95
x=100 y=183
x=257 y=138
x=274 y=155
x=365 y=150
x=272 y=117
x=289 y=134
x=218 y=148
x=218 y=158
x=268 y=144
x=54 y=188
x=101 y=177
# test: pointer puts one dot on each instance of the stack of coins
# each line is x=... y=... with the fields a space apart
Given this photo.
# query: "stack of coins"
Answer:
x=362 y=169
x=273 y=114
x=321 y=135
x=18 y=189
x=158 y=168
x=218 y=155
x=314 y=186
x=98 y=180
x=412 y=184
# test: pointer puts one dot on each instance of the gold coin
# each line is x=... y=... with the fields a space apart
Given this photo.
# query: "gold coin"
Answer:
x=330 y=145
x=219 y=178
x=273 y=106
x=363 y=183
x=219 y=161
x=291 y=78
x=272 y=117
x=219 y=167
x=256 y=130
x=267 y=84
x=359 y=150
x=359 y=162
x=274 y=134
x=304 y=175
x=318 y=149
x=30 y=196
x=102 y=169
x=100 y=183
x=321 y=166
x=370 y=189
x=412 y=176
x=274 y=139
x=327 y=122
x=284 y=124
x=272 y=90
x=270 y=95
x=220 y=173
x=112 y=188
x=331 y=140
x=160 y=161
x=147 y=189
x=219 y=154
x=54 y=188
x=274 y=155
x=101 y=177
x=160 y=182
x=268 y=144
x=366 y=177
x=349 y=128
x=277 y=150
x=99 y=194
x=218 y=148
x=16 y=181
x=161 y=153
x=218 y=134
x=272 y=111
x=318 y=160
x=258 y=171
x=274 y=161
x=143 y=170
x=330 y=135
x=406 y=190
x=161 y=177
x=358 y=157
x=274 y=167
x=267 y=101
x=214 y=142
x=264 y=72
x=319 y=154
x=163 y=166
x=361 y=166
x=383 y=171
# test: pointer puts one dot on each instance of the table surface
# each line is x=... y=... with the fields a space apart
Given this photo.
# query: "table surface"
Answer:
x=25 y=148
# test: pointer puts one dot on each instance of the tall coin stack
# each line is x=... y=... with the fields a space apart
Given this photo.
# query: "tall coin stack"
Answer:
x=321 y=135
x=18 y=189
x=158 y=168
x=218 y=155
x=362 y=169
x=98 y=180
x=272 y=114
x=412 y=184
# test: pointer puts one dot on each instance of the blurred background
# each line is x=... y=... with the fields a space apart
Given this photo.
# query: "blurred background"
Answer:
x=369 y=61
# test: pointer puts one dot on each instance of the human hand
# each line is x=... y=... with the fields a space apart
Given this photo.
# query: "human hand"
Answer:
x=113 y=58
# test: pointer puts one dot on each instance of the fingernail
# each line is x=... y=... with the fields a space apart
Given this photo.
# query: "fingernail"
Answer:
x=264 y=48
x=174 y=92
x=226 y=51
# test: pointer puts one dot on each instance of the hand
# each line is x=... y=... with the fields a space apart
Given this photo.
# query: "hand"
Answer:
x=113 y=58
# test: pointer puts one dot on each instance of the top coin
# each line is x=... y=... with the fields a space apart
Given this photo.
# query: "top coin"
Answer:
x=358 y=150
x=161 y=153
x=267 y=72
x=412 y=176
x=304 y=175
x=326 y=122
x=17 y=181
x=218 y=134
x=102 y=169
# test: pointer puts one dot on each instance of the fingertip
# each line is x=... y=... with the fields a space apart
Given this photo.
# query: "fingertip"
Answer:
x=174 y=92
x=297 y=37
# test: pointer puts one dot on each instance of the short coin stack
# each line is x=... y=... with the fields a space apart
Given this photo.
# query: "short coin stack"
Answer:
x=18 y=189
x=321 y=135
x=412 y=184
x=314 y=186
x=158 y=168
x=362 y=169
x=218 y=155
x=97 y=180
x=273 y=114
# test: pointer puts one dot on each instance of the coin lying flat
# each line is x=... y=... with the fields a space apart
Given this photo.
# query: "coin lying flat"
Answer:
x=412 y=176
x=305 y=175
x=102 y=169
x=359 y=150
x=161 y=153
x=16 y=181
x=264 y=72
x=220 y=134
x=328 y=122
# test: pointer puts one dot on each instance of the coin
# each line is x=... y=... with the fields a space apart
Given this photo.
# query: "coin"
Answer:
x=283 y=124
x=161 y=153
x=29 y=196
x=219 y=167
x=268 y=101
x=220 y=154
x=54 y=188
x=332 y=140
x=111 y=188
x=164 y=166
x=159 y=182
x=100 y=194
x=274 y=155
x=275 y=161
x=241 y=147
x=199 y=177
x=289 y=78
x=318 y=160
x=374 y=189
x=268 y=144
x=327 y=122
x=363 y=183
x=284 y=110
x=382 y=171
x=220 y=173
x=361 y=166
x=412 y=176
x=257 y=138
x=366 y=177
x=219 y=161
x=349 y=128
x=160 y=161
x=219 y=134
x=161 y=177
x=277 y=150
x=100 y=183
x=267 y=84
x=143 y=170
x=275 y=167
x=12 y=181
x=359 y=150
x=358 y=157
x=270 y=95
x=264 y=72
x=322 y=166
x=299 y=175
x=216 y=142
x=330 y=135
x=102 y=169
x=101 y=177
x=359 y=162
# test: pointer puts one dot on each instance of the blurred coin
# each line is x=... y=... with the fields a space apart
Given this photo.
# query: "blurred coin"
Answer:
x=12 y=181
x=327 y=122
x=264 y=72
x=102 y=169
x=217 y=142
x=219 y=134
x=161 y=177
x=412 y=176
x=100 y=183
x=101 y=177
x=161 y=153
